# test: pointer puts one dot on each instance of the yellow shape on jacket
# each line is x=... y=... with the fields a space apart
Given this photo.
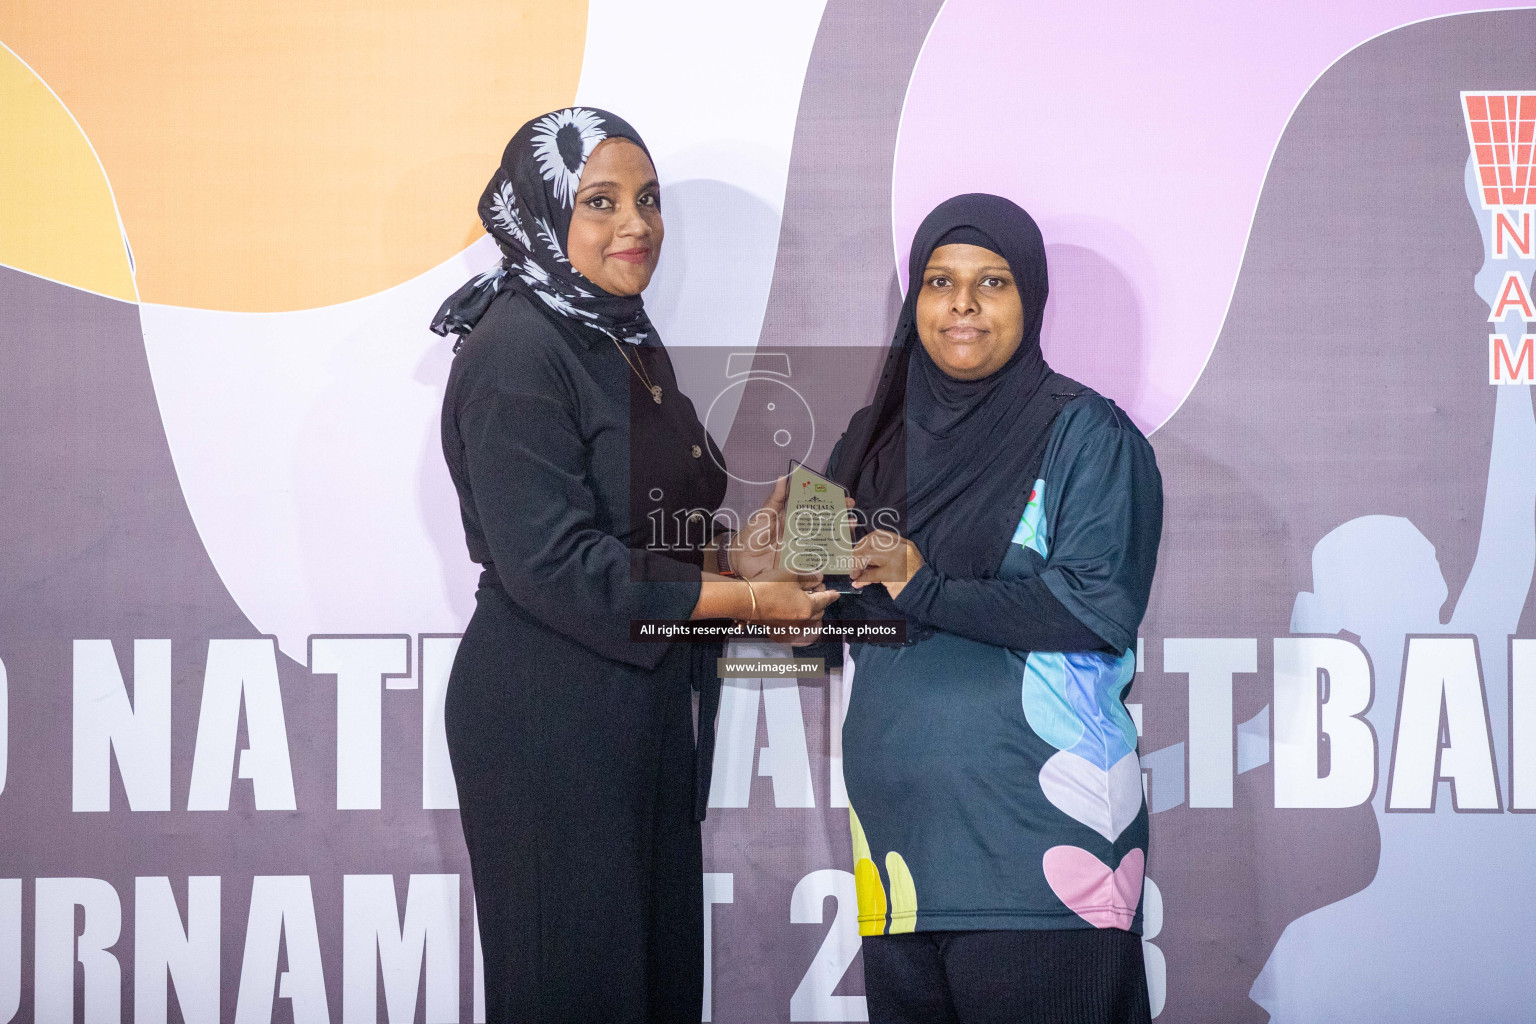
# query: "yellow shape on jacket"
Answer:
x=866 y=881
x=903 y=894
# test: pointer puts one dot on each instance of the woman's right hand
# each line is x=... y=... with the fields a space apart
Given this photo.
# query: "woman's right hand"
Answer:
x=784 y=596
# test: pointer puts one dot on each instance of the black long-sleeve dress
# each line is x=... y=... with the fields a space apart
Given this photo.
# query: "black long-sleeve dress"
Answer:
x=572 y=747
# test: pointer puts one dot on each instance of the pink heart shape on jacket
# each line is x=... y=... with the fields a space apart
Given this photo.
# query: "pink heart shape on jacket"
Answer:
x=1103 y=898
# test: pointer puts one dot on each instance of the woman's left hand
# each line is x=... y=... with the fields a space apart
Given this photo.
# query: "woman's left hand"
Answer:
x=885 y=557
x=755 y=549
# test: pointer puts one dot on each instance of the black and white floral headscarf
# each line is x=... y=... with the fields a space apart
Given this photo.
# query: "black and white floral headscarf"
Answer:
x=527 y=209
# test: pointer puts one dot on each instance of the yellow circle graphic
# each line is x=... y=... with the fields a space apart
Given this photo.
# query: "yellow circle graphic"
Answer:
x=282 y=155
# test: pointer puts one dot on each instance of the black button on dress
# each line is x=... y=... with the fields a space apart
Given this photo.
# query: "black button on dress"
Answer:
x=573 y=748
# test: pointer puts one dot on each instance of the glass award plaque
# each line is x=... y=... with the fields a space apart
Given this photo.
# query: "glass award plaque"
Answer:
x=817 y=533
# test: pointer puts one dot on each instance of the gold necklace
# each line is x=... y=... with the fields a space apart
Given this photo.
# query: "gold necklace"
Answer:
x=645 y=378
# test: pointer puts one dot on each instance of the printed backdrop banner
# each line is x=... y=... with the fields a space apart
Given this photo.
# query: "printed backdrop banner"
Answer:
x=1294 y=241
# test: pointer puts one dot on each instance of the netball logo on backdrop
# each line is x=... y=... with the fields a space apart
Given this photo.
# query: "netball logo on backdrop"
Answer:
x=1501 y=127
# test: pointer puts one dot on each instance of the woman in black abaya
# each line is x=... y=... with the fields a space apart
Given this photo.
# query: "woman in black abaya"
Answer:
x=580 y=785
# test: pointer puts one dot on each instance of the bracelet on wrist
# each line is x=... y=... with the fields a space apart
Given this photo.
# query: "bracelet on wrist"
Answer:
x=723 y=553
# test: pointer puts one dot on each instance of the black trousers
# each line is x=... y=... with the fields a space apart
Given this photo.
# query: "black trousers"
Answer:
x=575 y=782
x=1076 y=976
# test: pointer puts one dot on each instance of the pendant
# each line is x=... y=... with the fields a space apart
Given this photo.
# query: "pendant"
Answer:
x=656 y=393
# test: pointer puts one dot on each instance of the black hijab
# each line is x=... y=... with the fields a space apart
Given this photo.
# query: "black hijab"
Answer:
x=527 y=209
x=957 y=459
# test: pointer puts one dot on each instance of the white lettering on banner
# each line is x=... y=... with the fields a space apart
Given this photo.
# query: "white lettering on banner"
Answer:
x=1302 y=717
x=57 y=948
x=1442 y=730
x=10 y=947
x=5 y=726
x=813 y=998
x=1210 y=665
x=105 y=722
x=436 y=661
x=1522 y=725
x=479 y=968
x=719 y=887
x=241 y=671
x=429 y=935
x=163 y=949
x=784 y=759
x=839 y=691
x=1152 y=956
x=282 y=915
x=361 y=666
